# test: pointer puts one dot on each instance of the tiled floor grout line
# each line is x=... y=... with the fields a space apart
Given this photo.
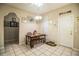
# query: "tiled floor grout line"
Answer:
x=22 y=51
x=27 y=51
x=14 y=51
x=43 y=50
x=71 y=52
x=6 y=49
x=55 y=50
x=52 y=52
x=62 y=51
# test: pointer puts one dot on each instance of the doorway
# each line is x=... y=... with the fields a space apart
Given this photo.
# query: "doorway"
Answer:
x=66 y=29
x=11 y=29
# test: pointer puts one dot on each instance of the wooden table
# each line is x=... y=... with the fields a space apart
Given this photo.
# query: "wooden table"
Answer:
x=32 y=38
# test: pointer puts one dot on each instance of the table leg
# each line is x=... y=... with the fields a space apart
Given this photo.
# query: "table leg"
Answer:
x=44 y=40
x=26 y=39
x=31 y=43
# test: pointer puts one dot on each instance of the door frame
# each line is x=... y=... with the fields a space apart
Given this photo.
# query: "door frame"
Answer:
x=72 y=32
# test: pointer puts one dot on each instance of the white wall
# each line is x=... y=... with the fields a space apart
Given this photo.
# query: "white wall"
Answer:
x=49 y=27
x=27 y=27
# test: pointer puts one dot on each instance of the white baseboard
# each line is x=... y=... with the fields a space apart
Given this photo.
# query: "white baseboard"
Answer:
x=70 y=47
x=21 y=43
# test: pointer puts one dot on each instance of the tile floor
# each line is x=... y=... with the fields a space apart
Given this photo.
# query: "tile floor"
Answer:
x=39 y=50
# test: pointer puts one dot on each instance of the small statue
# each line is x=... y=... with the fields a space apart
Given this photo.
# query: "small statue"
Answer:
x=35 y=32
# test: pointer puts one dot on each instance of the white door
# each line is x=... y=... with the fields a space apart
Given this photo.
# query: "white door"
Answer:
x=65 y=27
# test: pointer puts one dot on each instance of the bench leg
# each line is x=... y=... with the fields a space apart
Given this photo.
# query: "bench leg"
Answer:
x=44 y=40
x=31 y=44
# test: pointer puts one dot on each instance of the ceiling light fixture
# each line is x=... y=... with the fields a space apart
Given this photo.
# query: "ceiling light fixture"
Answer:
x=38 y=17
x=38 y=4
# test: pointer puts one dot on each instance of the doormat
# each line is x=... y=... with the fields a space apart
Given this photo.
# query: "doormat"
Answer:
x=50 y=43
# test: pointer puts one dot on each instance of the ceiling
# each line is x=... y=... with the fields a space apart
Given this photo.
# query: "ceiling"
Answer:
x=38 y=10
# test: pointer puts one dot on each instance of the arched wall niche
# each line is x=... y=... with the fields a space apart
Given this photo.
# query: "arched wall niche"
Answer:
x=11 y=28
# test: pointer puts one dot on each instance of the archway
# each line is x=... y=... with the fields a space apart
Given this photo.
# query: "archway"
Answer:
x=11 y=28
